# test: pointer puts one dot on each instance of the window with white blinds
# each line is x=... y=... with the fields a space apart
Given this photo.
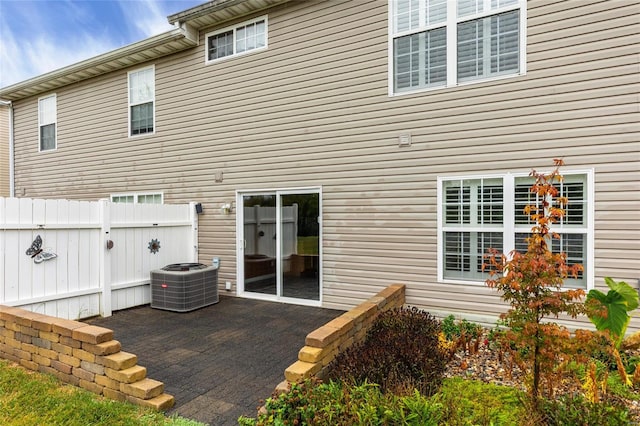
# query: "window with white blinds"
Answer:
x=473 y=223
x=475 y=214
x=47 y=119
x=572 y=229
x=237 y=40
x=440 y=43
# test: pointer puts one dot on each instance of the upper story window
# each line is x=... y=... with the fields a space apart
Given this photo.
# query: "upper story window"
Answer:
x=237 y=40
x=442 y=43
x=47 y=119
x=477 y=213
x=142 y=94
x=150 y=198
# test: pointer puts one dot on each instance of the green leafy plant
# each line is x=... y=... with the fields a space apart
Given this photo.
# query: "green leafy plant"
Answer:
x=460 y=334
x=610 y=311
x=531 y=282
x=580 y=412
x=400 y=353
x=610 y=314
x=459 y=402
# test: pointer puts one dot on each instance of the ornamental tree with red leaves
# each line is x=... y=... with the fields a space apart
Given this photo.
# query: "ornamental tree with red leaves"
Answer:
x=531 y=282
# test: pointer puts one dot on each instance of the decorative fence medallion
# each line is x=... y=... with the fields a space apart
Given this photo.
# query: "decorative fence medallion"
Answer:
x=154 y=246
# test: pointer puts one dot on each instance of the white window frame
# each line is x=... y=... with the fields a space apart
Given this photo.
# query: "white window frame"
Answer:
x=241 y=242
x=511 y=228
x=132 y=104
x=136 y=196
x=234 y=28
x=42 y=123
x=451 y=25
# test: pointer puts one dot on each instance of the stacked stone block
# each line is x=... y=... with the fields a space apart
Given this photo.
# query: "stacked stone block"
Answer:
x=325 y=343
x=80 y=354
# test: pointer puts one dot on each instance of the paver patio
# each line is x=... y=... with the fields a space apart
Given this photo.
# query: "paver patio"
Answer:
x=220 y=361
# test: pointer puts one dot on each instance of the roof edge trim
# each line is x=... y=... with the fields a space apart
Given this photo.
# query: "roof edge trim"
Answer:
x=19 y=90
x=201 y=10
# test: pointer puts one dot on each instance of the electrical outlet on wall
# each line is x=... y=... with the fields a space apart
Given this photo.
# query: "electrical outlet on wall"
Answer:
x=227 y=285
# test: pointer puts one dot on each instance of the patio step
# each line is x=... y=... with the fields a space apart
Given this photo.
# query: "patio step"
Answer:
x=119 y=361
x=128 y=375
x=160 y=403
x=143 y=389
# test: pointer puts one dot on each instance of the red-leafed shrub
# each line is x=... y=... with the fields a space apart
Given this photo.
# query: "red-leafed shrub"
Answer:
x=400 y=353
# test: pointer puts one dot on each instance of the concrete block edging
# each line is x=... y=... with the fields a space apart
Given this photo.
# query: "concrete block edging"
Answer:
x=323 y=344
x=79 y=354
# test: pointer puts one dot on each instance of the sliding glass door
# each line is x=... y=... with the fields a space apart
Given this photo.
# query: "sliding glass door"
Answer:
x=260 y=243
x=280 y=245
x=300 y=245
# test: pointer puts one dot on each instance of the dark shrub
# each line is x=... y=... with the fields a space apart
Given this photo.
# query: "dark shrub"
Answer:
x=400 y=353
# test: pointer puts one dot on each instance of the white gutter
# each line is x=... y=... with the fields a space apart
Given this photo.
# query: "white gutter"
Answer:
x=12 y=185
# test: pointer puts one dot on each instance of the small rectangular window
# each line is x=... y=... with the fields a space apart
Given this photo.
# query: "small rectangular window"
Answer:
x=141 y=101
x=150 y=198
x=47 y=119
x=245 y=37
x=122 y=198
x=220 y=45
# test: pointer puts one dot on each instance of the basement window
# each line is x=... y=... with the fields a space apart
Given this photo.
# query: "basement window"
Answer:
x=142 y=198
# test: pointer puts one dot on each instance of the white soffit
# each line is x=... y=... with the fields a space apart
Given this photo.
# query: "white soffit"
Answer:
x=142 y=51
x=184 y=36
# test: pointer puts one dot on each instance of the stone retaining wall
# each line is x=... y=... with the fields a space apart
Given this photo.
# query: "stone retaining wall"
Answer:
x=323 y=344
x=80 y=354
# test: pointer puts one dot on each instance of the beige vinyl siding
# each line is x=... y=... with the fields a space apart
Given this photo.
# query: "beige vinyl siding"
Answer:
x=313 y=110
x=4 y=150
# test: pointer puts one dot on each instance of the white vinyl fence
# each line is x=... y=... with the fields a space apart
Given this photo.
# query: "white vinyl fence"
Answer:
x=86 y=277
x=260 y=230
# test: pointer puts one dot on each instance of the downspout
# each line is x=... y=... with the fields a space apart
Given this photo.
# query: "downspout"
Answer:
x=12 y=185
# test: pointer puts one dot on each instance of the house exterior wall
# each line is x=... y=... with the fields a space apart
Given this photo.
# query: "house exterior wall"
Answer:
x=313 y=110
x=4 y=150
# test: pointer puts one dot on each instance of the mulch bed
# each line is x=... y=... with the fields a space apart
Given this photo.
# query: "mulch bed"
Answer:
x=485 y=366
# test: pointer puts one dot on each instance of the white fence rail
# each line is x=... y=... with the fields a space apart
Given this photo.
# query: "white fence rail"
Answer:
x=87 y=278
x=260 y=230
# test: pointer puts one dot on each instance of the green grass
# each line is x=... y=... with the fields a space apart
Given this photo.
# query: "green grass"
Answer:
x=29 y=399
x=477 y=403
x=308 y=245
x=459 y=402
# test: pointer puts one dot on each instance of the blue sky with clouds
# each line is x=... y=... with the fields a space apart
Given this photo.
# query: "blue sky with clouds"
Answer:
x=41 y=36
